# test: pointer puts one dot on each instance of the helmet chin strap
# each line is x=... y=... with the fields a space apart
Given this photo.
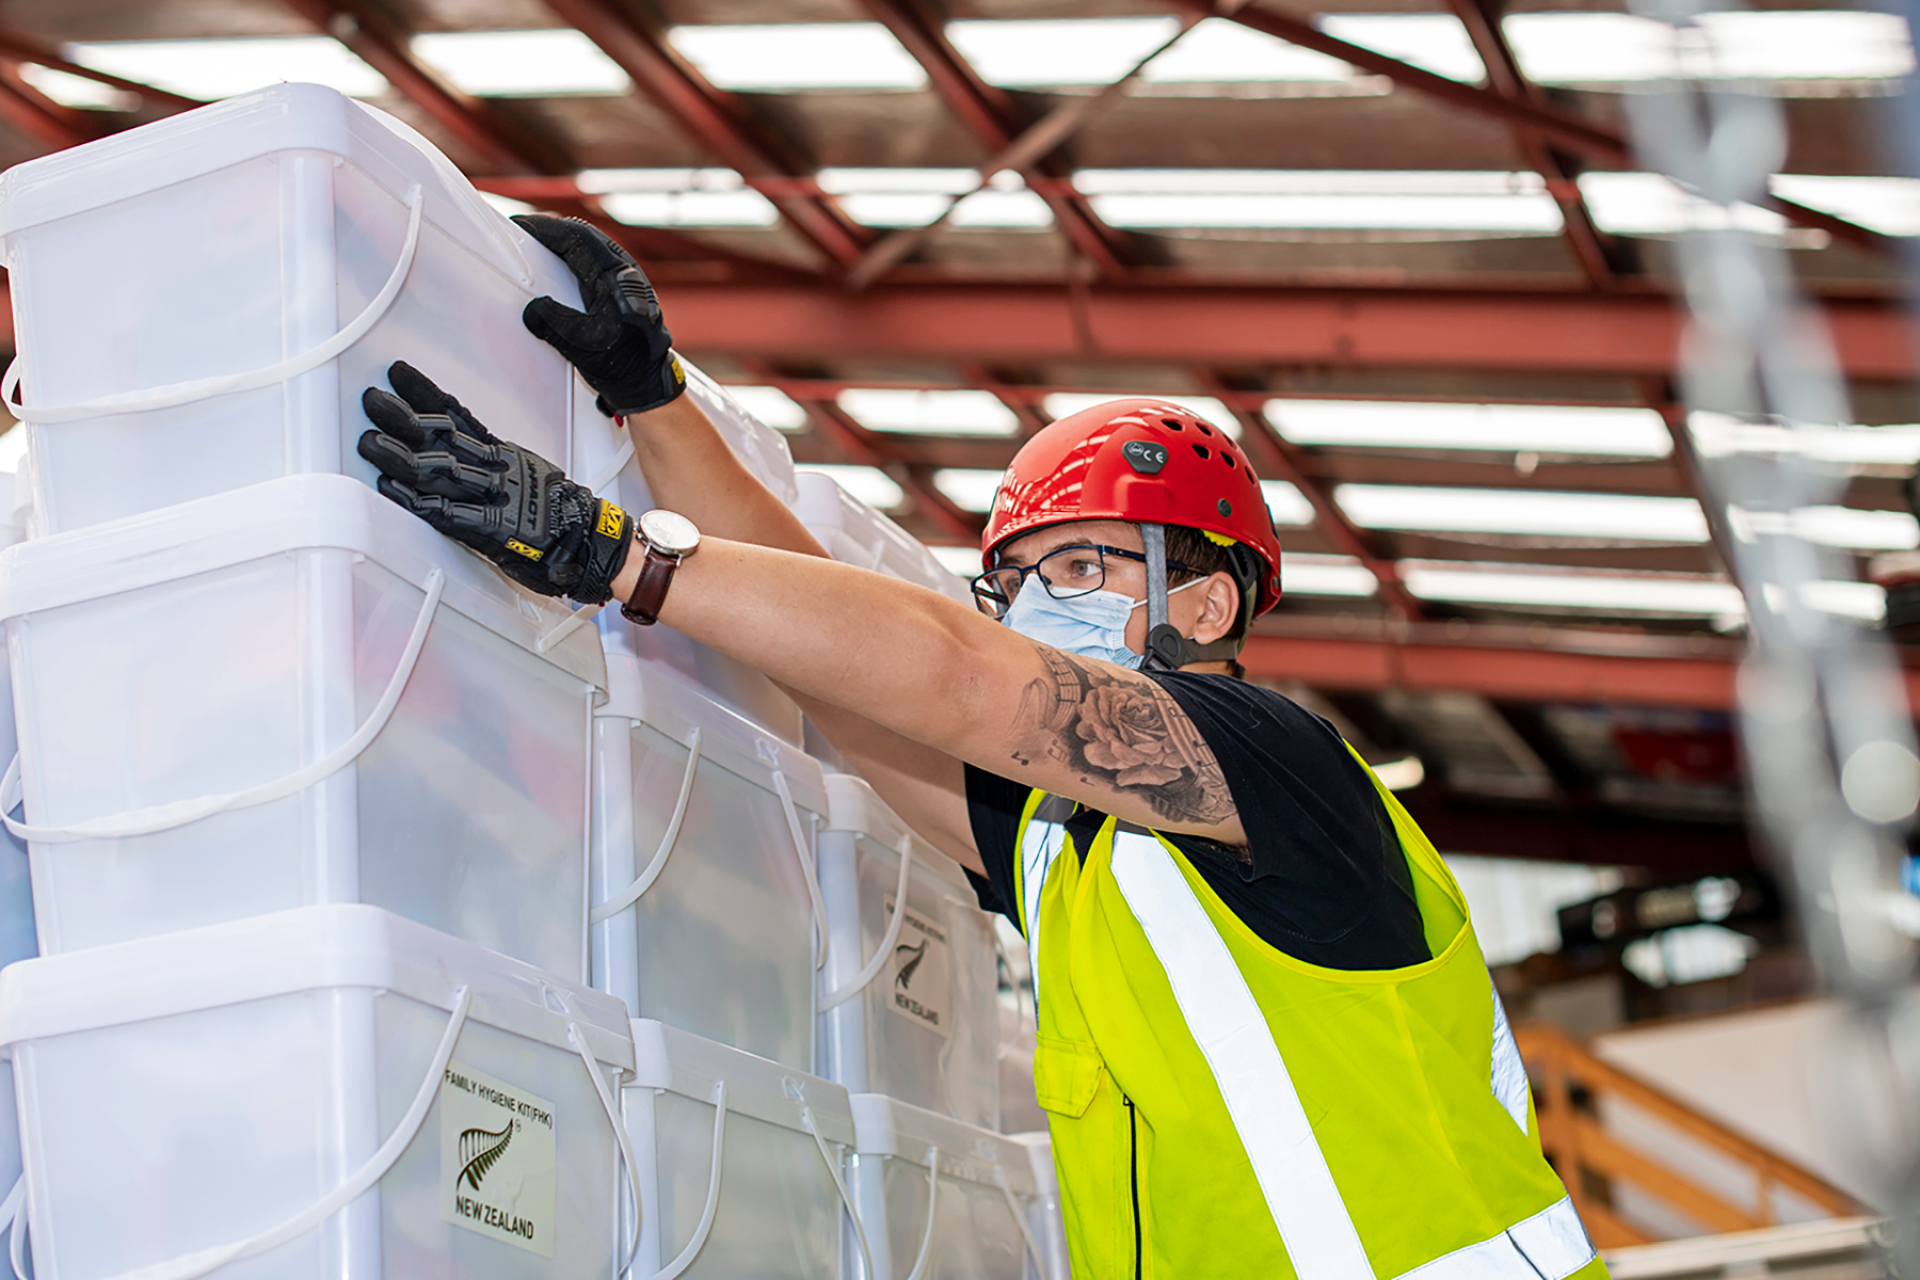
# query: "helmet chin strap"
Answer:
x=1167 y=649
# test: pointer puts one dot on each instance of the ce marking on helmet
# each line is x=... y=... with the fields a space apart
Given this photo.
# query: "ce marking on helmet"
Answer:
x=1144 y=456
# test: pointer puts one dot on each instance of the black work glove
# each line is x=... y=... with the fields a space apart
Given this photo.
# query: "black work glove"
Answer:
x=620 y=344
x=511 y=505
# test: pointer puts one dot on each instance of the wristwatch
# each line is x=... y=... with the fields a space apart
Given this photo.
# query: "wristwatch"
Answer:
x=670 y=538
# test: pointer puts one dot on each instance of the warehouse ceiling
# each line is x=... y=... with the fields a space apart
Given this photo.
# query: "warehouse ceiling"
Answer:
x=1400 y=247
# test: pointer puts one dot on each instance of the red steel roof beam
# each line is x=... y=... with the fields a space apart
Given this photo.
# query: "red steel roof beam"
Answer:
x=38 y=116
x=15 y=45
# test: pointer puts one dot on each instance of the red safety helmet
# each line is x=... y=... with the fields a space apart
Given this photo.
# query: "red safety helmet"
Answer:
x=1144 y=461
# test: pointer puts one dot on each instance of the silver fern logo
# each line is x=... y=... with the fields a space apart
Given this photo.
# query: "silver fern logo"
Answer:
x=908 y=958
x=480 y=1150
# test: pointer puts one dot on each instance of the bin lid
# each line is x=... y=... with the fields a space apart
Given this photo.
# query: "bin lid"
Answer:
x=856 y=534
x=292 y=513
x=680 y=1062
x=886 y=1126
x=305 y=949
x=853 y=805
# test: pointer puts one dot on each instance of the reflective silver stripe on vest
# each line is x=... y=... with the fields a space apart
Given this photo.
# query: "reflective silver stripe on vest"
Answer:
x=1040 y=844
x=1551 y=1245
x=1509 y=1076
x=1227 y=1024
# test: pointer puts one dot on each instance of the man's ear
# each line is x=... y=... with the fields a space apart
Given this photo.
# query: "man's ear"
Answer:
x=1219 y=608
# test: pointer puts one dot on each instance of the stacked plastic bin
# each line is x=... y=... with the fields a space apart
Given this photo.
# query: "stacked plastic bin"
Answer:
x=394 y=921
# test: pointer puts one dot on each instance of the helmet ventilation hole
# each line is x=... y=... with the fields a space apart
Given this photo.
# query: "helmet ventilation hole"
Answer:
x=1226 y=457
x=1172 y=424
x=1202 y=427
x=1203 y=451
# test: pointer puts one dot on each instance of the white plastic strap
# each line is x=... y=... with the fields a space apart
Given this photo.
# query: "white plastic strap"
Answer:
x=582 y=616
x=705 y=1225
x=1020 y=1220
x=199 y=1264
x=631 y=894
x=178 y=813
x=839 y=1184
x=179 y=393
x=578 y=1040
x=925 y=1256
x=803 y=849
x=13 y=1217
x=878 y=961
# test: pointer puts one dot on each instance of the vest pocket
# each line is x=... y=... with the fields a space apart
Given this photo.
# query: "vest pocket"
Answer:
x=1066 y=1075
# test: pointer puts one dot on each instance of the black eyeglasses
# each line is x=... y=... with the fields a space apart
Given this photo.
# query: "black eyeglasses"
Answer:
x=1066 y=573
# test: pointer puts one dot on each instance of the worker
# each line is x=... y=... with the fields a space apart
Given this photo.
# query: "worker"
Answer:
x=1268 y=1043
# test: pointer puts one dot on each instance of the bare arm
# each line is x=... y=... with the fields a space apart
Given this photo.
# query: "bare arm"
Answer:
x=932 y=671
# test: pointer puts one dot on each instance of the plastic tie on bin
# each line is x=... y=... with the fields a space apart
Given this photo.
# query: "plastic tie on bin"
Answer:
x=878 y=960
x=13 y=1218
x=833 y=1171
x=704 y=1227
x=198 y=1264
x=178 y=813
x=578 y=1039
x=1019 y=1219
x=803 y=849
x=644 y=881
x=925 y=1257
x=175 y=394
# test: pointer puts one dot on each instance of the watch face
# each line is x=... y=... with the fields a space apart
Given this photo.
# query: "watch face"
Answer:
x=669 y=531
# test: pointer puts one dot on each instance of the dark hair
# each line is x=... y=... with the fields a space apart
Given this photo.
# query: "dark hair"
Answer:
x=1204 y=558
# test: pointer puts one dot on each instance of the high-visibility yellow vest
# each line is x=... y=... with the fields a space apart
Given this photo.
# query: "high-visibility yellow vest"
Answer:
x=1219 y=1108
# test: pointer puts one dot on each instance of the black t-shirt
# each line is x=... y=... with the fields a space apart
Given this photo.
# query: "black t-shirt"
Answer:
x=1324 y=879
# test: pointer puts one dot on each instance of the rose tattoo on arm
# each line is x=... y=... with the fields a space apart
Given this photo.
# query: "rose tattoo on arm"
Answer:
x=1122 y=731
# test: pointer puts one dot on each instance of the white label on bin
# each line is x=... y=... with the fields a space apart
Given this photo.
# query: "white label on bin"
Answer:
x=496 y=1159
x=917 y=983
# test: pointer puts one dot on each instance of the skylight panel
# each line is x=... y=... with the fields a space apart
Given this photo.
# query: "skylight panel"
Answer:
x=70 y=90
x=790 y=56
x=1313 y=575
x=1611 y=48
x=1645 y=593
x=1890 y=206
x=522 y=64
x=843 y=181
x=1065 y=51
x=678 y=197
x=212 y=69
x=1222 y=51
x=1286 y=504
x=772 y=406
x=1716 y=436
x=1621 y=517
x=1849 y=527
x=967 y=488
x=1435 y=42
x=1061 y=403
x=870 y=485
x=1577 y=430
x=1386 y=182
x=1651 y=204
x=1002 y=209
x=929 y=413
x=1332 y=199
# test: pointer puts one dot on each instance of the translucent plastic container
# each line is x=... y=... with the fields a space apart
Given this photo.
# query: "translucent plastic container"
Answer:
x=702 y=866
x=246 y=703
x=199 y=301
x=908 y=997
x=603 y=460
x=854 y=533
x=348 y=1093
x=968 y=1222
x=772 y=1203
x=1044 y=1219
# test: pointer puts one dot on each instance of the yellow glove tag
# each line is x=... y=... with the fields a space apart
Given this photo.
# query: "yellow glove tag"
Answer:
x=610 y=519
x=515 y=545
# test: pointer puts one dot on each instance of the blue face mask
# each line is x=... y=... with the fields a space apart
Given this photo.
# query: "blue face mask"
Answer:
x=1089 y=626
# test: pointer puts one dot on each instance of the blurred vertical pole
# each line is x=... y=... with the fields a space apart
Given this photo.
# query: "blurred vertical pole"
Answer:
x=1827 y=734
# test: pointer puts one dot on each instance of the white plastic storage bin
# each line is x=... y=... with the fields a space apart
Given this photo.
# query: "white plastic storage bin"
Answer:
x=854 y=533
x=200 y=301
x=970 y=1222
x=908 y=997
x=351 y=1092
x=17 y=941
x=751 y=1188
x=603 y=460
x=704 y=824
x=293 y=694
x=1044 y=1218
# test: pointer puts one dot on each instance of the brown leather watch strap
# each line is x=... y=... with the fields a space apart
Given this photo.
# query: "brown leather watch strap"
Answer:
x=656 y=575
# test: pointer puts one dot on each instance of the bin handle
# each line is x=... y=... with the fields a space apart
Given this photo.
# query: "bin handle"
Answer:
x=12 y=1216
x=705 y=1226
x=631 y=894
x=578 y=1040
x=839 y=1180
x=803 y=849
x=179 y=393
x=1019 y=1219
x=878 y=961
x=178 y=813
x=586 y=613
x=212 y=1259
x=925 y=1257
